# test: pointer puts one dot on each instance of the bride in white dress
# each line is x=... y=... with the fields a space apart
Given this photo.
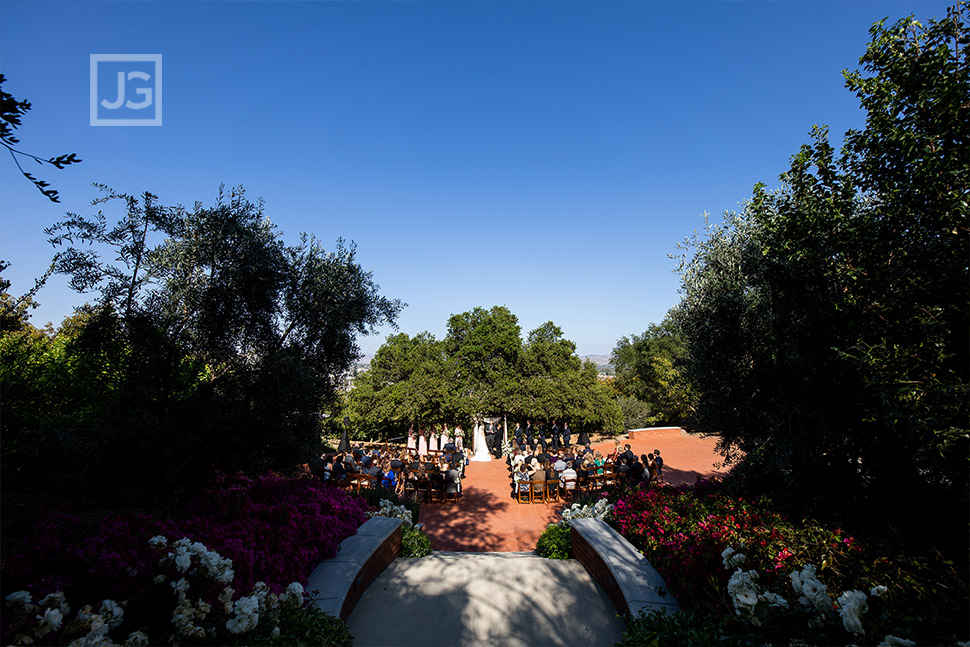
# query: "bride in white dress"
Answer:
x=478 y=445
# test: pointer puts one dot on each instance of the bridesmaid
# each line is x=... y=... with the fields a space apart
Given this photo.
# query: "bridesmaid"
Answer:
x=433 y=439
x=412 y=441
x=445 y=439
x=422 y=443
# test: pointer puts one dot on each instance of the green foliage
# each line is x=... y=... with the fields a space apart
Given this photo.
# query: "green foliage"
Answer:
x=555 y=542
x=681 y=629
x=480 y=368
x=826 y=323
x=307 y=626
x=212 y=345
x=414 y=542
x=636 y=413
x=650 y=368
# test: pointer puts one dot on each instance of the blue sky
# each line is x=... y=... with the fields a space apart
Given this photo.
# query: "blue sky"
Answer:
x=543 y=156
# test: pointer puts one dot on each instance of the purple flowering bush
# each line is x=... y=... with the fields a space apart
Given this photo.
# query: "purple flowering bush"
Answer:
x=274 y=529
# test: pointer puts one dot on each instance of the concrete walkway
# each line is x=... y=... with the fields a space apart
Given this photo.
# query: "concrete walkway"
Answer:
x=474 y=599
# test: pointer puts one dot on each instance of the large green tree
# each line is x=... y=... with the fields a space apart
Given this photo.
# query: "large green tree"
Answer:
x=826 y=324
x=650 y=368
x=213 y=344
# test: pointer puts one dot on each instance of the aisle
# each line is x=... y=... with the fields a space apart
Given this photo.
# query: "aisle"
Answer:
x=474 y=599
x=488 y=519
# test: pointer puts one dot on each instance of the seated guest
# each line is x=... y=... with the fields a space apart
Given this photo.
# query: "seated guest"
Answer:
x=588 y=449
x=375 y=470
x=388 y=477
x=352 y=465
x=635 y=475
x=630 y=456
x=521 y=477
x=598 y=462
x=366 y=460
x=566 y=474
x=559 y=465
x=622 y=467
x=617 y=448
x=587 y=465
x=339 y=470
x=645 y=466
x=453 y=476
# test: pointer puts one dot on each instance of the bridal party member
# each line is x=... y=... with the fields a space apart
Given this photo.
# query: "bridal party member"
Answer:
x=422 y=444
x=445 y=439
x=412 y=441
x=433 y=440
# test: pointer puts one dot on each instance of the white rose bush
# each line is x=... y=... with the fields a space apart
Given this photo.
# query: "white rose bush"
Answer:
x=193 y=591
x=810 y=603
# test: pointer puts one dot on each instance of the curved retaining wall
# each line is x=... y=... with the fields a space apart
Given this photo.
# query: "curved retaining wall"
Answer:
x=625 y=575
x=359 y=560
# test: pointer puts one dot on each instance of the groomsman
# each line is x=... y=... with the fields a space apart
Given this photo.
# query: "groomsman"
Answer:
x=529 y=434
x=518 y=435
x=490 y=437
x=565 y=433
x=555 y=436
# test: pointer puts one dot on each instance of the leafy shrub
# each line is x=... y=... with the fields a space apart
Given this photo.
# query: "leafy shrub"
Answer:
x=414 y=542
x=555 y=542
x=681 y=629
x=309 y=626
x=685 y=533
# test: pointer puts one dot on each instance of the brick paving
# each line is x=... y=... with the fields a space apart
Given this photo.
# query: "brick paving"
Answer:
x=488 y=518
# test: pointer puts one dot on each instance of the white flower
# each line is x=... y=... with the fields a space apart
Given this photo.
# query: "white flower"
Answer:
x=743 y=589
x=852 y=604
x=183 y=561
x=181 y=586
x=732 y=559
x=226 y=598
x=812 y=592
x=247 y=606
x=158 y=541
x=55 y=600
x=19 y=598
x=136 y=639
x=893 y=641
x=52 y=618
x=275 y=633
x=293 y=596
x=114 y=613
x=774 y=599
x=879 y=591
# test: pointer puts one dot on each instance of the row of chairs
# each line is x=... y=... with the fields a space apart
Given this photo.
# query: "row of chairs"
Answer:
x=425 y=489
x=542 y=491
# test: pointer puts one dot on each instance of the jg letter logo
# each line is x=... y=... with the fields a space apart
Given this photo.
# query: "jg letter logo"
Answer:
x=126 y=89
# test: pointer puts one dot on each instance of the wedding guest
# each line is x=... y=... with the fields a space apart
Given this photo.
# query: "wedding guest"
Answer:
x=598 y=462
x=568 y=478
x=652 y=466
x=521 y=478
x=660 y=465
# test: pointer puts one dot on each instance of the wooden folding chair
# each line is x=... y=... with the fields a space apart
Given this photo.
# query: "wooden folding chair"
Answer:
x=537 y=491
x=570 y=488
x=552 y=489
x=524 y=491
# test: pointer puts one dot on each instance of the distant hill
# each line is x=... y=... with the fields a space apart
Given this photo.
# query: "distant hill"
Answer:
x=599 y=360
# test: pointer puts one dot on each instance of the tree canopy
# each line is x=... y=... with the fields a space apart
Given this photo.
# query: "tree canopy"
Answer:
x=481 y=368
x=212 y=343
x=826 y=323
